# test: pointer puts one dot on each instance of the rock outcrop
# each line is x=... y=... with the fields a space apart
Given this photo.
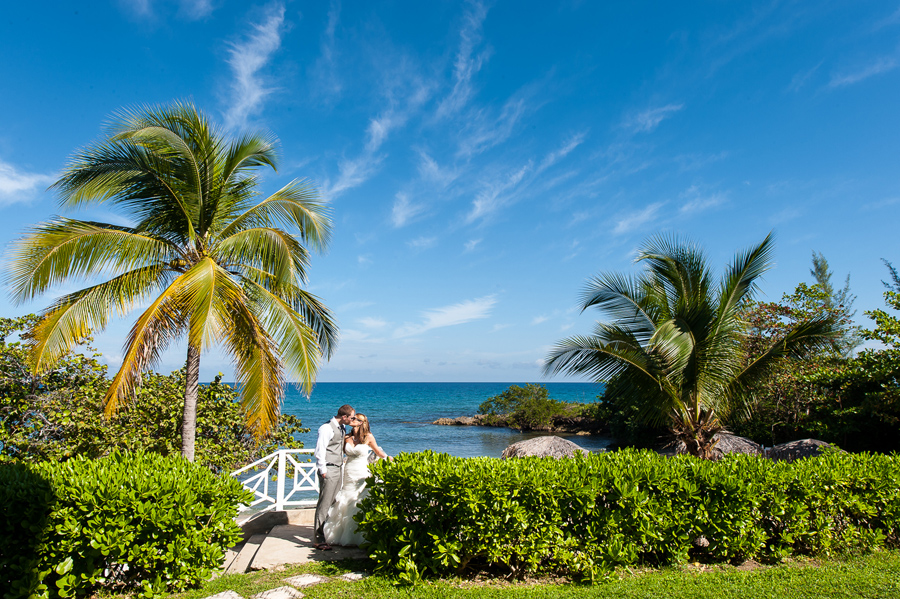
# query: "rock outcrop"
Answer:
x=795 y=450
x=728 y=443
x=551 y=446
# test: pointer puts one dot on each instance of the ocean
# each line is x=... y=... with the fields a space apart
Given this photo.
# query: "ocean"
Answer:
x=401 y=414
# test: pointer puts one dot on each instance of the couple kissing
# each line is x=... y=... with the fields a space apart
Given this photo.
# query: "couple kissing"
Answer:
x=342 y=485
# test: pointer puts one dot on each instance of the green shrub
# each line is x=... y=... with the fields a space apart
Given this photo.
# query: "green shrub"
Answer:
x=526 y=408
x=133 y=520
x=26 y=500
x=59 y=414
x=433 y=514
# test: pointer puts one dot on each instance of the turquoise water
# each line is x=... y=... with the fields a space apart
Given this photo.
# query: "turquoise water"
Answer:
x=401 y=414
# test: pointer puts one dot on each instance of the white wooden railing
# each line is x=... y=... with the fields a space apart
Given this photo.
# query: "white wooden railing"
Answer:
x=291 y=472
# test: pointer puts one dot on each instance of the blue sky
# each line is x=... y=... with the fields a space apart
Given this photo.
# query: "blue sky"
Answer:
x=484 y=159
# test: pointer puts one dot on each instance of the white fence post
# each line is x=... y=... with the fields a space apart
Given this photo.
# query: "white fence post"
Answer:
x=279 y=502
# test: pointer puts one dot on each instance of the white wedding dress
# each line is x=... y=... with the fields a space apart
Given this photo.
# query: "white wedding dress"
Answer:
x=340 y=528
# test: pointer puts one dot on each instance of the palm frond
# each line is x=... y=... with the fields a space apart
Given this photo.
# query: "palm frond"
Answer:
x=74 y=316
x=156 y=327
x=297 y=204
x=259 y=371
x=740 y=281
x=273 y=251
x=64 y=248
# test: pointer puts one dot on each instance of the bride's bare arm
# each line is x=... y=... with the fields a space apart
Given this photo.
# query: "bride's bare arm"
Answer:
x=371 y=443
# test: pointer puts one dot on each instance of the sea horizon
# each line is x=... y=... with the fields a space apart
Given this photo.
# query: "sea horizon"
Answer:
x=401 y=413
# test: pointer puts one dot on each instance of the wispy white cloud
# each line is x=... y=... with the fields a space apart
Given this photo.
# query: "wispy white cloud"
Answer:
x=404 y=210
x=468 y=61
x=406 y=93
x=881 y=204
x=471 y=244
x=697 y=201
x=448 y=316
x=483 y=132
x=350 y=306
x=324 y=70
x=638 y=219
x=800 y=79
x=187 y=9
x=648 y=120
x=372 y=323
x=247 y=60
x=539 y=319
x=890 y=20
x=691 y=162
x=431 y=171
x=17 y=185
x=353 y=173
x=196 y=9
x=495 y=193
x=566 y=149
x=881 y=65
x=422 y=243
x=143 y=8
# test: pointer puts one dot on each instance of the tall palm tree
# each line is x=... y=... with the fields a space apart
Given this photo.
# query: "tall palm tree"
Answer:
x=215 y=262
x=674 y=344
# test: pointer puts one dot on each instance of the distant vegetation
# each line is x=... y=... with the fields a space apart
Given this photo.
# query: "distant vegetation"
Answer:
x=685 y=358
x=59 y=415
x=530 y=408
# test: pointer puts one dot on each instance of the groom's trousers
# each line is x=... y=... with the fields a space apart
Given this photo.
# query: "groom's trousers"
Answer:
x=329 y=485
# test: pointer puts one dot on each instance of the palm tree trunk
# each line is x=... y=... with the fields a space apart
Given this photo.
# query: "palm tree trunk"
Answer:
x=191 y=390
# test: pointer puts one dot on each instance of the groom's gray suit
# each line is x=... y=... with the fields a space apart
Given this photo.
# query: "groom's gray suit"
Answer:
x=331 y=482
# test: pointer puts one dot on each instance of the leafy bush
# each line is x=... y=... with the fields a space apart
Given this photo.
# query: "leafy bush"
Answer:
x=134 y=520
x=26 y=500
x=526 y=408
x=59 y=415
x=434 y=514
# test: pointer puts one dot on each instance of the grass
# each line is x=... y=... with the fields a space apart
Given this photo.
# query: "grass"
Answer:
x=874 y=575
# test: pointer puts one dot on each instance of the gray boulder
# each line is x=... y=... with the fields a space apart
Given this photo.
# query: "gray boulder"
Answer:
x=728 y=443
x=544 y=446
x=795 y=450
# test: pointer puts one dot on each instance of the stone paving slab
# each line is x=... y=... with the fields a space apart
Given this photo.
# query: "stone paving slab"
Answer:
x=280 y=593
x=293 y=544
x=353 y=576
x=225 y=595
x=305 y=580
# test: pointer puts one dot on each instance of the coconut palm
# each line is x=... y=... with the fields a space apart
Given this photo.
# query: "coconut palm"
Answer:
x=210 y=260
x=674 y=345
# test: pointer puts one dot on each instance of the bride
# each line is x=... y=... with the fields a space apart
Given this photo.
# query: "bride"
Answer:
x=340 y=528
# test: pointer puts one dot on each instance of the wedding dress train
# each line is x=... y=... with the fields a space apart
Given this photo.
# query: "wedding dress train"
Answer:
x=340 y=528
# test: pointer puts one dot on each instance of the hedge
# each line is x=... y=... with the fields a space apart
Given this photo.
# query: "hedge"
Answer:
x=129 y=520
x=433 y=514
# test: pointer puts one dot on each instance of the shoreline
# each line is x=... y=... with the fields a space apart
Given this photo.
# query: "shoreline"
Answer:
x=572 y=425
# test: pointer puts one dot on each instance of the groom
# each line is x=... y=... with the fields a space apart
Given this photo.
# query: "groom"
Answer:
x=329 y=458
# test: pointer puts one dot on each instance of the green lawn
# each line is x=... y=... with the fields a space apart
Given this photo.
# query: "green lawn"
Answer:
x=873 y=575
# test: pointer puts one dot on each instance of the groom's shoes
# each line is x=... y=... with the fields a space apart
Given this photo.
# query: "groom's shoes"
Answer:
x=323 y=547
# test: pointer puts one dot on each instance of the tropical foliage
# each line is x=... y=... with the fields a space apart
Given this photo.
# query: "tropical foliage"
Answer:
x=59 y=415
x=437 y=515
x=128 y=521
x=212 y=261
x=674 y=348
x=789 y=404
x=527 y=408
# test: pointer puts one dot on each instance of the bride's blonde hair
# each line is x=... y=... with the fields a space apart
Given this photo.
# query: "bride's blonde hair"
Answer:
x=362 y=431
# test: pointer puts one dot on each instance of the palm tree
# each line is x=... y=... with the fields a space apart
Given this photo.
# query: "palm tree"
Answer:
x=216 y=263
x=674 y=345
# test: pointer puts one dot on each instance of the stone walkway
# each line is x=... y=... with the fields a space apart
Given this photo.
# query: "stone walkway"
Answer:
x=286 y=543
x=292 y=591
